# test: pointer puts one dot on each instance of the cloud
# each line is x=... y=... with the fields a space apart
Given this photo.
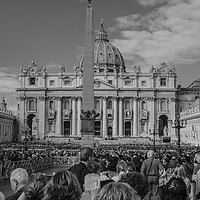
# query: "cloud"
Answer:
x=9 y=81
x=151 y=2
x=169 y=32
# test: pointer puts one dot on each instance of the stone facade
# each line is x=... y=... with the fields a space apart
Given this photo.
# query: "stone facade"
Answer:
x=7 y=124
x=129 y=104
x=189 y=107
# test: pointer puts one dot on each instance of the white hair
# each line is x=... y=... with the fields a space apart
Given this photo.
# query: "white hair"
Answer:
x=20 y=175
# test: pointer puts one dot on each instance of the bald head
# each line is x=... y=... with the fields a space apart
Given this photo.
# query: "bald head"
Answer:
x=150 y=153
x=18 y=178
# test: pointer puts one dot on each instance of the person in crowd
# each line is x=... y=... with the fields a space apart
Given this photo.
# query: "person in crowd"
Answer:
x=137 y=160
x=175 y=189
x=189 y=167
x=92 y=176
x=195 y=183
x=151 y=168
x=117 y=191
x=34 y=187
x=81 y=169
x=63 y=185
x=2 y=197
x=18 y=180
x=111 y=166
x=137 y=181
x=130 y=167
x=181 y=173
x=121 y=170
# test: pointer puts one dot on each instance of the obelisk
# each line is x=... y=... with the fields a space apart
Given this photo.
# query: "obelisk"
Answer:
x=88 y=114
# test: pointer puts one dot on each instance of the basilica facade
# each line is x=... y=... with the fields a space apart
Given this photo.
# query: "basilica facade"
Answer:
x=129 y=104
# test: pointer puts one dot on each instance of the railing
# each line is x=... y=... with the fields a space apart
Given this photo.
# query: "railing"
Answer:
x=30 y=166
x=67 y=160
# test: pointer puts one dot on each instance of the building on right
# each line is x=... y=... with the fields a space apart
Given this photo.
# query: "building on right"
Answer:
x=189 y=108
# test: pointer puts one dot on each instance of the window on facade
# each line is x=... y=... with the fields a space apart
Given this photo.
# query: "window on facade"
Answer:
x=51 y=105
x=97 y=105
x=31 y=105
x=163 y=106
x=66 y=105
x=67 y=82
x=127 y=82
x=143 y=83
x=109 y=105
x=143 y=105
x=163 y=81
x=110 y=82
x=52 y=82
x=127 y=105
x=32 y=81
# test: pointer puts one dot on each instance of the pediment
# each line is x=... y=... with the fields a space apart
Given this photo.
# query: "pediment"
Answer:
x=99 y=84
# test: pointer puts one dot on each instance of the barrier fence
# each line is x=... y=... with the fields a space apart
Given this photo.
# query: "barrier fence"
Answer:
x=36 y=164
x=30 y=166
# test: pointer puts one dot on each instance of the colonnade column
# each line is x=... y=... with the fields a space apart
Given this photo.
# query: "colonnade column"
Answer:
x=104 y=118
x=73 y=116
x=59 y=118
x=79 y=117
x=135 y=117
x=121 y=117
x=114 y=134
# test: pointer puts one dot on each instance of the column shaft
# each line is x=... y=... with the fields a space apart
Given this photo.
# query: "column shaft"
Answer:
x=104 y=118
x=59 y=118
x=115 y=118
x=78 y=117
x=121 y=118
x=135 y=117
x=73 y=116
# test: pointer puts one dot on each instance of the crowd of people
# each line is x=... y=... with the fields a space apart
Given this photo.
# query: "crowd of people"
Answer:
x=107 y=172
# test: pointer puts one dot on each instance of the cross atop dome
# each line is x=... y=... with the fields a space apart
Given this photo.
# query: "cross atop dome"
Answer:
x=89 y=2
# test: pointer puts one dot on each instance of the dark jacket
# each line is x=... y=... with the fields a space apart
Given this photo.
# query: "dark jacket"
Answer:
x=80 y=170
x=16 y=195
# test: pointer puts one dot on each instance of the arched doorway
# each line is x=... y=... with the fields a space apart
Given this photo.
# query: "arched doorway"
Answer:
x=163 y=125
x=32 y=125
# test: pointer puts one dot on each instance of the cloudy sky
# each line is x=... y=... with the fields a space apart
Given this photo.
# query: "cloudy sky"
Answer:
x=51 y=33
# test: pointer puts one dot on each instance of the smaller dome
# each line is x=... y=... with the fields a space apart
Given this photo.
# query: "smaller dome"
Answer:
x=107 y=58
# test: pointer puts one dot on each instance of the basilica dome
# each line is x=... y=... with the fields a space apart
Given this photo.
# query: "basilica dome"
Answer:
x=107 y=58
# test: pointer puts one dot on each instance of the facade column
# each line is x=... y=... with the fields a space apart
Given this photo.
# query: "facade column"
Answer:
x=135 y=117
x=121 y=117
x=79 y=117
x=59 y=118
x=105 y=128
x=73 y=116
x=152 y=117
x=114 y=134
x=21 y=116
x=42 y=117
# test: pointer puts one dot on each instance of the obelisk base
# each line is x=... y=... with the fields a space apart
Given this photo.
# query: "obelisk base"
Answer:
x=87 y=132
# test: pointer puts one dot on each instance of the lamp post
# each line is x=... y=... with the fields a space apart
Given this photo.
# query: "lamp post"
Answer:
x=179 y=124
x=154 y=137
